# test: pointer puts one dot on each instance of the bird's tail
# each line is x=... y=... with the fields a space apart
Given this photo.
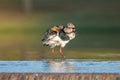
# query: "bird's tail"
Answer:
x=45 y=43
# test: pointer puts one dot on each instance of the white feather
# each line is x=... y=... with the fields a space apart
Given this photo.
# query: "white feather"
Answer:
x=56 y=41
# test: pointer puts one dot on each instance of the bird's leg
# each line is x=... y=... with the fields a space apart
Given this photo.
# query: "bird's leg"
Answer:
x=53 y=50
x=61 y=53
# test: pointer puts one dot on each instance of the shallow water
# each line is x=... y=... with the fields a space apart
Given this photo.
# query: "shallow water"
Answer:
x=57 y=66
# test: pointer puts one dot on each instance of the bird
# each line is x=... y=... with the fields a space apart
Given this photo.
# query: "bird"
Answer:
x=59 y=36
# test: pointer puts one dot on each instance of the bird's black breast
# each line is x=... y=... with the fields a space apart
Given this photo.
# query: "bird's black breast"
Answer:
x=63 y=36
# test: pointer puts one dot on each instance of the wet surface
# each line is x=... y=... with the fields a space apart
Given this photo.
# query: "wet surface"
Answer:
x=57 y=66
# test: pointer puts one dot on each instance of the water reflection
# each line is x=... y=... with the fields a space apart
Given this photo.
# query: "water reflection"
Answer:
x=60 y=66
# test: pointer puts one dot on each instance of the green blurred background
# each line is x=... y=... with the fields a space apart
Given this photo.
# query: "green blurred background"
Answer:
x=23 y=23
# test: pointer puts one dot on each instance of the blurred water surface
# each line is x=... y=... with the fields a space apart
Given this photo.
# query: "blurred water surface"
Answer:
x=57 y=66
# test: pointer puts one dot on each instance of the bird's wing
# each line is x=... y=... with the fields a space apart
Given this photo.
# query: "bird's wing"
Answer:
x=49 y=34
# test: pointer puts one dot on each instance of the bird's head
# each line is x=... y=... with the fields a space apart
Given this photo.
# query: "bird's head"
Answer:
x=70 y=25
x=70 y=28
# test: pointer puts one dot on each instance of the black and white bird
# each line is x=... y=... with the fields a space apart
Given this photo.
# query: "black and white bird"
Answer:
x=59 y=36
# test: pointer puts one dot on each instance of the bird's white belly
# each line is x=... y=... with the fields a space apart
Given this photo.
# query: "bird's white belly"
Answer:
x=56 y=41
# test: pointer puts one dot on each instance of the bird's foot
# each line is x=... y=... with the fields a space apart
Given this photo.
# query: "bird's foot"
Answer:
x=63 y=58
